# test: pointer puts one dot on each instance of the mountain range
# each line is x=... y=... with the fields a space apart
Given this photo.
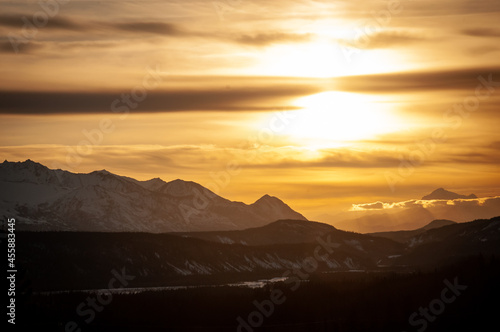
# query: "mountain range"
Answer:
x=85 y=259
x=42 y=199
x=178 y=233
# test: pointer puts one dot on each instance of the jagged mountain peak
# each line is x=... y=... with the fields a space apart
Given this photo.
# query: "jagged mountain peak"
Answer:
x=28 y=163
x=28 y=171
x=268 y=199
x=155 y=180
x=152 y=184
x=103 y=171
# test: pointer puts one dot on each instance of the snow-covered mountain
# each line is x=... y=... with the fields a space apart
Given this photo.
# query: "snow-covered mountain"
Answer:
x=44 y=199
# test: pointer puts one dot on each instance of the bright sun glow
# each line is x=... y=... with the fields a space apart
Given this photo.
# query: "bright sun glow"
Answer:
x=333 y=118
x=323 y=58
x=308 y=60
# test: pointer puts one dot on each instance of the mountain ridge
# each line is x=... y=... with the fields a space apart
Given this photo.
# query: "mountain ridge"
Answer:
x=163 y=259
x=442 y=193
x=44 y=199
x=278 y=232
x=405 y=235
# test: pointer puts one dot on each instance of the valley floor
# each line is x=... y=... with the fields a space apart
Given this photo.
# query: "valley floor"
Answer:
x=459 y=297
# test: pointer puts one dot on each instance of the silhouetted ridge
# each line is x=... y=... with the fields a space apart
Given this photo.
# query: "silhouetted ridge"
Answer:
x=442 y=193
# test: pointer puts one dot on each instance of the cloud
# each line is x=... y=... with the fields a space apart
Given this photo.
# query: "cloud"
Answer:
x=11 y=20
x=264 y=39
x=57 y=48
x=56 y=22
x=382 y=157
x=481 y=32
x=383 y=206
x=263 y=98
x=495 y=145
x=459 y=79
x=427 y=9
x=465 y=158
x=72 y=24
x=121 y=30
x=250 y=93
x=159 y=28
x=481 y=50
x=431 y=204
x=31 y=47
x=339 y=158
x=151 y=160
x=384 y=39
x=375 y=206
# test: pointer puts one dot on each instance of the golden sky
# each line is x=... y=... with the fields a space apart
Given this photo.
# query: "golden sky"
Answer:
x=324 y=104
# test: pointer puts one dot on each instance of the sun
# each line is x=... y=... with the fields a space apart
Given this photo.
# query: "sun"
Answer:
x=335 y=118
x=319 y=59
x=323 y=58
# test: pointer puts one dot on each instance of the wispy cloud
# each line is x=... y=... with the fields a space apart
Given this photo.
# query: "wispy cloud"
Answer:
x=333 y=158
x=160 y=28
x=430 y=204
x=482 y=32
x=122 y=29
x=249 y=97
x=56 y=22
x=264 y=39
x=386 y=39
x=459 y=79
x=23 y=48
x=264 y=98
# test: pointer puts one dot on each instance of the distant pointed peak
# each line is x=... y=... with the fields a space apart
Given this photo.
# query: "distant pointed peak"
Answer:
x=102 y=171
x=30 y=162
x=442 y=193
x=155 y=180
x=268 y=198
